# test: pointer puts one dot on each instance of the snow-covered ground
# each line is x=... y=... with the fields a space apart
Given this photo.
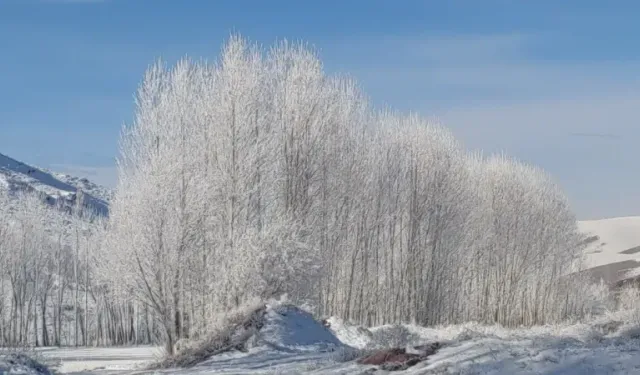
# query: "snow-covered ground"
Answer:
x=92 y=360
x=101 y=360
x=293 y=343
x=482 y=355
x=470 y=350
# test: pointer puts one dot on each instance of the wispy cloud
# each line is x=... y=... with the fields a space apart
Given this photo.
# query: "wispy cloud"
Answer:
x=74 y=1
x=481 y=67
x=458 y=49
x=596 y=135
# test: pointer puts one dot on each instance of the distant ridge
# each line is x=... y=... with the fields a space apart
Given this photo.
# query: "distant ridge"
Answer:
x=613 y=250
x=56 y=189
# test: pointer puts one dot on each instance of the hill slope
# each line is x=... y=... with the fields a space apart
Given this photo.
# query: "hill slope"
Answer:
x=56 y=189
x=613 y=252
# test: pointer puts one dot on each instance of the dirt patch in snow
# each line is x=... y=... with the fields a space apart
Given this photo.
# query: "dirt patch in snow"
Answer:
x=397 y=359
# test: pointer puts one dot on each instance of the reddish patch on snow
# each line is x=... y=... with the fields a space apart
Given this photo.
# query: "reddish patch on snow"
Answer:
x=398 y=358
x=395 y=355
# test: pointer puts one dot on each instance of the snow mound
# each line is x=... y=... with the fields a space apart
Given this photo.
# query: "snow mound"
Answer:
x=281 y=329
x=22 y=364
x=289 y=328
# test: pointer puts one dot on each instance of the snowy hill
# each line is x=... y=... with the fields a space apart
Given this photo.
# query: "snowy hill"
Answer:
x=613 y=252
x=56 y=189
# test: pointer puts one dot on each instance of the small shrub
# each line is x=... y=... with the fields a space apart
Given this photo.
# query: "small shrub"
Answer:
x=182 y=345
x=609 y=327
x=348 y=354
x=632 y=332
x=469 y=334
x=394 y=336
x=593 y=336
x=629 y=301
x=22 y=363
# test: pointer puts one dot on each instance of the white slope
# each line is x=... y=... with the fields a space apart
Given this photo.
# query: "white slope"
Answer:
x=615 y=253
x=56 y=189
x=98 y=191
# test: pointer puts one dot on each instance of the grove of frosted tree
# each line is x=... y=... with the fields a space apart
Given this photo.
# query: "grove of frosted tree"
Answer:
x=260 y=175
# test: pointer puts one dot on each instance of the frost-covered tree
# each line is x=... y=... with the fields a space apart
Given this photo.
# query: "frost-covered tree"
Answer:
x=243 y=177
x=46 y=258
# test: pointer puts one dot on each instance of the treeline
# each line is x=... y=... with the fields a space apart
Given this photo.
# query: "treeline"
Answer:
x=50 y=294
x=260 y=175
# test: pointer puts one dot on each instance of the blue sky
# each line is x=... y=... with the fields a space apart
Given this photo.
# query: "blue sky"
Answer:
x=555 y=83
